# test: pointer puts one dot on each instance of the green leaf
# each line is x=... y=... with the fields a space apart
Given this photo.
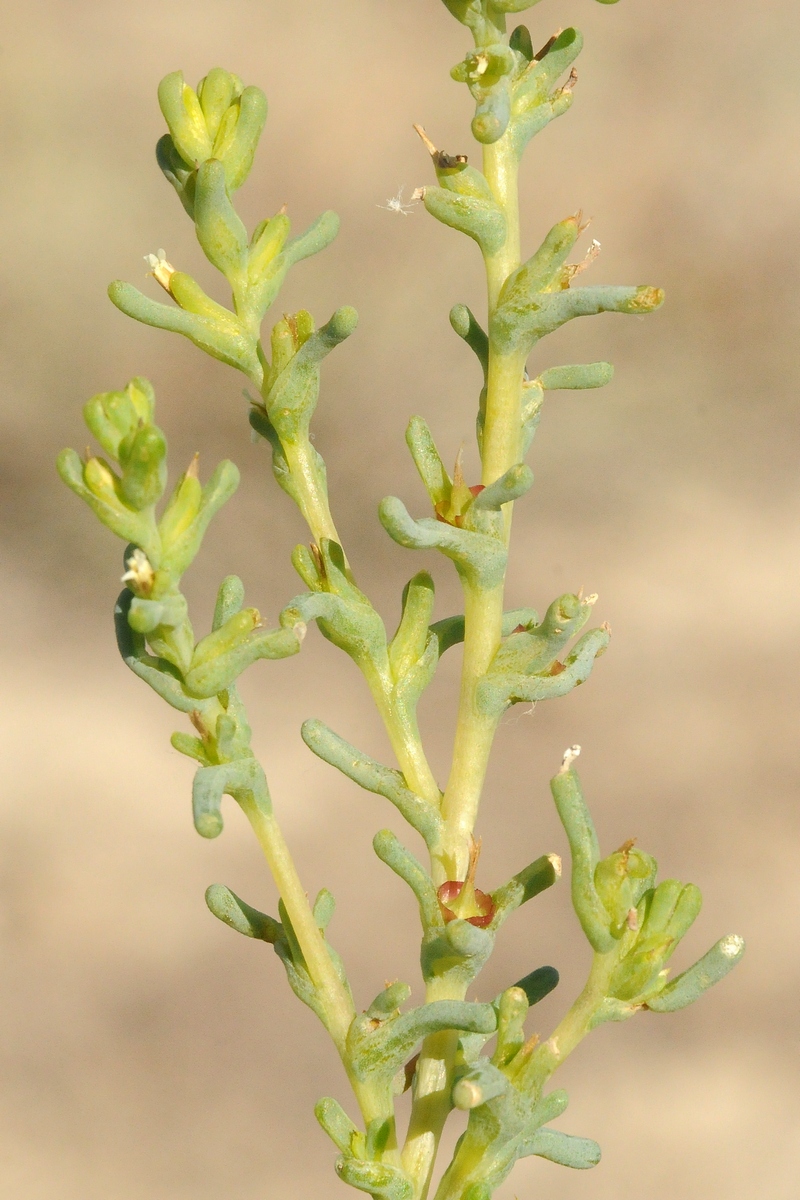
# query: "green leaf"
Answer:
x=538 y=984
x=563 y=1148
x=477 y=1085
x=244 y=780
x=226 y=340
x=338 y=1126
x=479 y=558
x=220 y=231
x=373 y=777
x=482 y=220
x=377 y=1050
x=389 y=850
x=466 y=326
x=526 y=884
x=515 y=483
x=382 y=1181
x=237 y=145
x=587 y=375
x=227 y=906
x=689 y=986
x=585 y=850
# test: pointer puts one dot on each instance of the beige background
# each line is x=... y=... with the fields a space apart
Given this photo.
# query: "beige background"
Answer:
x=147 y=1052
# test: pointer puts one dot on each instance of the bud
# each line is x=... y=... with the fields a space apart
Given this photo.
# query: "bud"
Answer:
x=409 y=642
x=238 y=136
x=228 y=637
x=113 y=416
x=216 y=92
x=419 y=440
x=287 y=336
x=182 y=507
x=101 y=481
x=512 y=1009
x=621 y=880
x=142 y=457
x=488 y=73
x=267 y=241
x=453 y=508
x=388 y=1002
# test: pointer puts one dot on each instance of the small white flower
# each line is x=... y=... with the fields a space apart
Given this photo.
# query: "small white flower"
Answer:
x=161 y=270
x=396 y=203
x=139 y=572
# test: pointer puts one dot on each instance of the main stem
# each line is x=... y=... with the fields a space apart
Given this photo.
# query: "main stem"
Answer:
x=483 y=615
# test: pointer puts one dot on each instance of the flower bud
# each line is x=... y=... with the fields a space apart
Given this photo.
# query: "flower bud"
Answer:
x=182 y=507
x=142 y=457
x=267 y=241
x=620 y=881
x=101 y=481
x=216 y=92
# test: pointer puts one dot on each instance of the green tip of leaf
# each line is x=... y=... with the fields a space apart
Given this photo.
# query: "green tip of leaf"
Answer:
x=343 y=322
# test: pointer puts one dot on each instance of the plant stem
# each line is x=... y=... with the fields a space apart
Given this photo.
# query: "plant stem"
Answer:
x=483 y=609
x=432 y=1088
x=483 y=614
x=338 y=1006
x=312 y=495
x=406 y=742
x=312 y=499
x=575 y=1025
x=336 y=1001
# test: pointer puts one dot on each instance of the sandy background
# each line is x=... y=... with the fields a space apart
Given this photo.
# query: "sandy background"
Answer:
x=147 y=1052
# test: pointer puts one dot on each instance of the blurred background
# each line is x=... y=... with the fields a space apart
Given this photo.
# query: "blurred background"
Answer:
x=146 y=1050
